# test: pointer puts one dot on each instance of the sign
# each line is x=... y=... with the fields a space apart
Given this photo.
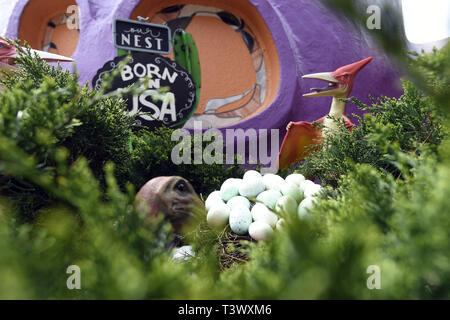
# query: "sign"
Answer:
x=142 y=36
x=175 y=107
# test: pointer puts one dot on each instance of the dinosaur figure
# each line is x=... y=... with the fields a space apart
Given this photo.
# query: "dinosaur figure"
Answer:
x=9 y=53
x=300 y=135
x=172 y=196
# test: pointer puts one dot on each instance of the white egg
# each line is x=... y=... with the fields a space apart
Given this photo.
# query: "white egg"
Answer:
x=240 y=219
x=273 y=182
x=280 y=224
x=252 y=174
x=269 y=198
x=305 y=184
x=183 y=253
x=218 y=215
x=261 y=213
x=305 y=207
x=286 y=206
x=238 y=200
x=292 y=190
x=260 y=231
x=213 y=199
x=296 y=178
x=312 y=190
x=230 y=188
x=251 y=188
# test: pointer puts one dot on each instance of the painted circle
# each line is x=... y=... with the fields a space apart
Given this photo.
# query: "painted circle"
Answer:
x=252 y=17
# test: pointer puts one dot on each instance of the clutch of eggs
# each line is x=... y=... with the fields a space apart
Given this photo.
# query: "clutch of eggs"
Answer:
x=255 y=204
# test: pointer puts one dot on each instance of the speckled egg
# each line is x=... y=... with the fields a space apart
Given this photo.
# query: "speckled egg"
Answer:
x=218 y=215
x=251 y=187
x=238 y=200
x=292 y=190
x=269 y=198
x=261 y=213
x=252 y=174
x=312 y=190
x=305 y=206
x=295 y=178
x=240 y=220
x=286 y=206
x=273 y=182
x=230 y=188
x=306 y=184
x=213 y=198
x=260 y=231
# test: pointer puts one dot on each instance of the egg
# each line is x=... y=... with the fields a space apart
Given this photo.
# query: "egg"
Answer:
x=292 y=190
x=295 y=178
x=251 y=187
x=312 y=190
x=252 y=174
x=286 y=206
x=260 y=231
x=280 y=224
x=305 y=206
x=306 y=184
x=269 y=198
x=213 y=199
x=218 y=215
x=240 y=220
x=273 y=182
x=261 y=213
x=183 y=253
x=230 y=188
x=238 y=200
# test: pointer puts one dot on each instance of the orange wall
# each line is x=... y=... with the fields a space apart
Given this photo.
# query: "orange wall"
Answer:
x=33 y=24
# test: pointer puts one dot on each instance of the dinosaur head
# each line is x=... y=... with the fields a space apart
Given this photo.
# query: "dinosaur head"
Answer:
x=8 y=55
x=340 y=82
x=172 y=196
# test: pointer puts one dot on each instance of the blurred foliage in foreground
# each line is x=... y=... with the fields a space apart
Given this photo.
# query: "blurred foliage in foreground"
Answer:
x=390 y=211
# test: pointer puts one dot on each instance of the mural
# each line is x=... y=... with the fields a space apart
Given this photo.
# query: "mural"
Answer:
x=253 y=52
x=222 y=103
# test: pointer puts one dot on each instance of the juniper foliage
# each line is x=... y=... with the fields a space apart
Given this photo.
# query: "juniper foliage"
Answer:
x=44 y=108
x=387 y=206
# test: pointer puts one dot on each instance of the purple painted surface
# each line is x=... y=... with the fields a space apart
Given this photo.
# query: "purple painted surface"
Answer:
x=308 y=37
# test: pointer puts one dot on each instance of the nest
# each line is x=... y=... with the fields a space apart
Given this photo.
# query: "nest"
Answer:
x=232 y=249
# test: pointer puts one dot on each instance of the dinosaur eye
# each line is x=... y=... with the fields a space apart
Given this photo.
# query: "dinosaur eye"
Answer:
x=2 y=45
x=181 y=187
x=346 y=76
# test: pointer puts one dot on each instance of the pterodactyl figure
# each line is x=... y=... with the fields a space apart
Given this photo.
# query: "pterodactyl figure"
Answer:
x=301 y=135
x=8 y=55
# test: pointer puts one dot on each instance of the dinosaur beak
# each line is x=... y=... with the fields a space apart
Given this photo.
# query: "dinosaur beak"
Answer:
x=47 y=56
x=340 y=82
x=332 y=88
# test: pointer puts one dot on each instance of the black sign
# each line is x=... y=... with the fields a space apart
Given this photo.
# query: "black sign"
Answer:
x=172 y=108
x=142 y=36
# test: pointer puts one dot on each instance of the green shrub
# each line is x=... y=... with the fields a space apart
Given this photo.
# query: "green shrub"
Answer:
x=389 y=207
x=44 y=108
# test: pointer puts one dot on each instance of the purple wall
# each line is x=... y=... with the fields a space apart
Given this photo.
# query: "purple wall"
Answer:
x=308 y=37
